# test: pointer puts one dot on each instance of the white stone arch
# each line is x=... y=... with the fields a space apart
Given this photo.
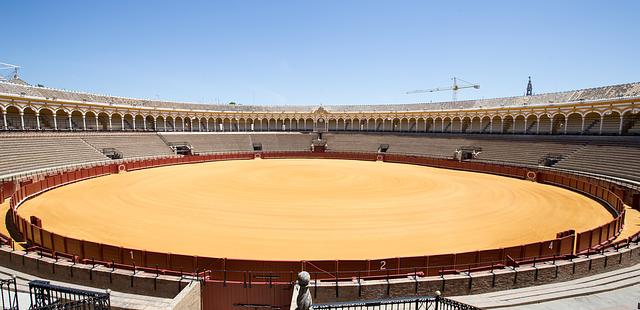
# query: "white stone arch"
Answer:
x=520 y=124
x=29 y=117
x=630 y=122
x=12 y=119
x=558 y=123
x=46 y=118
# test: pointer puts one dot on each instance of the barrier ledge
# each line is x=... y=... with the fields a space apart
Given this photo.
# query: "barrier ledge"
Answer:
x=476 y=282
x=62 y=270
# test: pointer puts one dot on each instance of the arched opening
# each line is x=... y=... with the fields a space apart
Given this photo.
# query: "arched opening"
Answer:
x=103 y=121
x=447 y=124
x=611 y=123
x=127 y=122
x=62 y=118
x=519 y=126
x=170 y=124
x=485 y=124
x=91 y=121
x=179 y=124
x=465 y=124
x=161 y=123
x=532 y=125
x=151 y=123
x=456 y=125
x=187 y=124
x=76 y=120
x=631 y=125
x=404 y=125
x=308 y=124
x=438 y=125
x=13 y=118
x=116 y=122
x=139 y=123
x=496 y=125
x=30 y=121
x=545 y=124
x=558 y=124
x=475 y=125
x=574 y=124
x=429 y=125
x=421 y=125
x=507 y=124
x=46 y=119
x=591 y=124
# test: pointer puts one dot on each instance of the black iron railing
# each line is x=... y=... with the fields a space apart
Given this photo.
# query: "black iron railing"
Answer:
x=48 y=296
x=9 y=294
x=415 y=303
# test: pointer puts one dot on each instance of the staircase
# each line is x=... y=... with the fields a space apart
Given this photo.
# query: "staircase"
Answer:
x=530 y=128
x=593 y=124
x=485 y=129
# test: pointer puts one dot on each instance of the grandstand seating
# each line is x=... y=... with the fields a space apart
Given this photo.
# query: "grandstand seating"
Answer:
x=236 y=142
x=616 y=158
x=23 y=153
x=140 y=145
x=613 y=156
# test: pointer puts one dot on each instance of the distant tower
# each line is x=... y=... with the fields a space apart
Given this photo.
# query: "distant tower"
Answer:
x=529 y=88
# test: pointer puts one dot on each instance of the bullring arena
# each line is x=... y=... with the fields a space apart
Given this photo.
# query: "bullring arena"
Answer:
x=330 y=209
x=224 y=207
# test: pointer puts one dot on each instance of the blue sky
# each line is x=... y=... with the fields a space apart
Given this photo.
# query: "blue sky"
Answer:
x=320 y=52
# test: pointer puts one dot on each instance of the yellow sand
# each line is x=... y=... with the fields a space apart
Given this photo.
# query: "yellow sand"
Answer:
x=312 y=209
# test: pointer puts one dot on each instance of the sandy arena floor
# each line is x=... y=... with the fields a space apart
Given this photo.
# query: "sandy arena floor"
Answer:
x=311 y=209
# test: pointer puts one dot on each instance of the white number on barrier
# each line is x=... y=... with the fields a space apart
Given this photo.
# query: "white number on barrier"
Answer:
x=383 y=265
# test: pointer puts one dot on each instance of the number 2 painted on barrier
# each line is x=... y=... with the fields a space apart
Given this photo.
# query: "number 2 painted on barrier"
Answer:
x=383 y=265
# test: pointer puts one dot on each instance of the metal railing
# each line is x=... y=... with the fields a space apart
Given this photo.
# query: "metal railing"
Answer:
x=9 y=294
x=47 y=296
x=415 y=303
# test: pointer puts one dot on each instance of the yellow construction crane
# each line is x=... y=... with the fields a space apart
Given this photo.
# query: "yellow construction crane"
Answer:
x=453 y=88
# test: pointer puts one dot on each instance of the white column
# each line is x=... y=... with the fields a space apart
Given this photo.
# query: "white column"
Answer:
x=621 y=123
x=502 y=125
x=84 y=122
x=122 y=121
x=22 y=120
x=566 y=122
x=70 y=123
x=183 y=124
x=538 y=125
x=525 y=125
x=110 y=128
x=601 y=121
x=38 y=120
x=164 y=124
x=491 y=125
x=4 y=119
x=144 y=124
x=551 y=129
x=134 y=123
x=582 y=128
x=55 y=121
x=97 y=123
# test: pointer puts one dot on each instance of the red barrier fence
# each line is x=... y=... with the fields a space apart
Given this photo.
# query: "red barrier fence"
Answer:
x=237 y=270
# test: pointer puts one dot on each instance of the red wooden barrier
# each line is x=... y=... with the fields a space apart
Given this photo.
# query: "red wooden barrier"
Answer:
x=432 y=265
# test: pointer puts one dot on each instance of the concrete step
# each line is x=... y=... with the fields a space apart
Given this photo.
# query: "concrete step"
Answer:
x=599 y=283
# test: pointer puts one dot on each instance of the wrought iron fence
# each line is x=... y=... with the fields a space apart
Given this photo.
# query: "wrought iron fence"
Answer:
x=9 y=294
x=416 y=303
x=48 y=296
